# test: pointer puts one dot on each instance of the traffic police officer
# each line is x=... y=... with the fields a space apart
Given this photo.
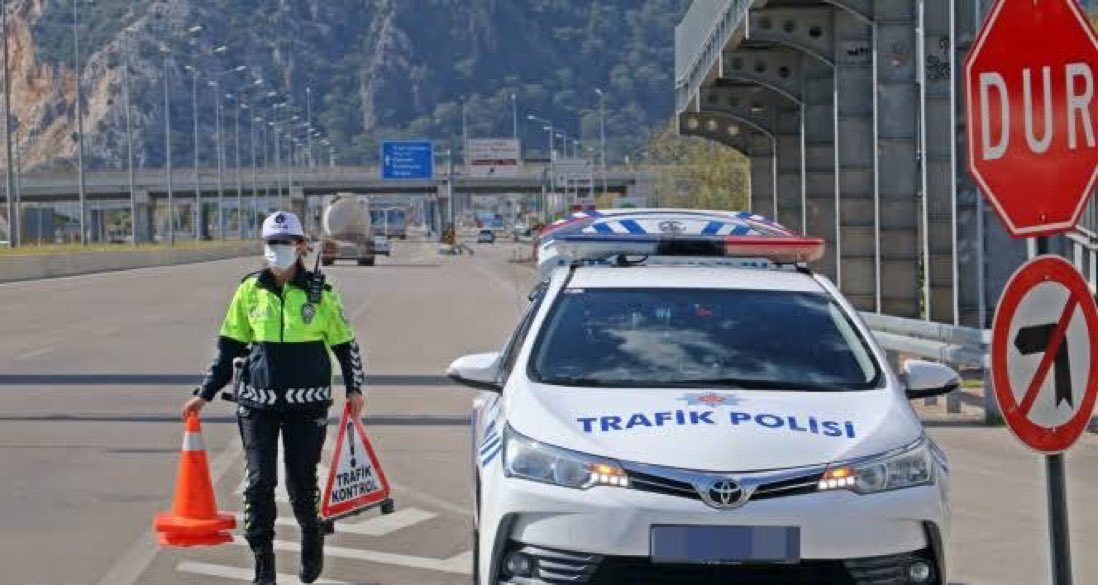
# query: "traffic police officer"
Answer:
x=284 y=319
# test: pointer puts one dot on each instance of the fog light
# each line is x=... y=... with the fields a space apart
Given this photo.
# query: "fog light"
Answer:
x=518 y=564
x=919 y=572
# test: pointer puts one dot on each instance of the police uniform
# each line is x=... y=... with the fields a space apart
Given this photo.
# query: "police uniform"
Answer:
x=285 y=387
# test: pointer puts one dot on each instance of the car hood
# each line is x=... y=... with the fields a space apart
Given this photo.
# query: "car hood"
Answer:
x=709 y=430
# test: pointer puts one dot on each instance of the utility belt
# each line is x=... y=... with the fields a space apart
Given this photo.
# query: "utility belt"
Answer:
x=269 y=397
x=248 y=395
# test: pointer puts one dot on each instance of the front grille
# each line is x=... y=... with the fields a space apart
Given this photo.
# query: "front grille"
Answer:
x=646 y=482
x=805 y=484
x=640 y=571
x=650 y=481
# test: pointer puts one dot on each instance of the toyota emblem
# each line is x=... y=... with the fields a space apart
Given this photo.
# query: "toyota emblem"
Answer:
x=724 y=493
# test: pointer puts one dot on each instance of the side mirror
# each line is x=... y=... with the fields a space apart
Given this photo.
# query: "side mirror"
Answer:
x=926 y=379
x=479 y=371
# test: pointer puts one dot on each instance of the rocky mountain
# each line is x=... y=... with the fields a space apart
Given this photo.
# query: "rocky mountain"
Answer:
x=363 y=69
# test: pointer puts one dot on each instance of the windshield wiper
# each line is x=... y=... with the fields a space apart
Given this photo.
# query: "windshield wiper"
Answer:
x=575 y=381
x=749 y=384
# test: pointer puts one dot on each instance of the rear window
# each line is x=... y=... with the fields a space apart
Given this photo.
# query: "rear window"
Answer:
x=748 y=339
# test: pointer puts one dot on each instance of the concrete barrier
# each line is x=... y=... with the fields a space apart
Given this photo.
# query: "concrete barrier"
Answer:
x=36 y=266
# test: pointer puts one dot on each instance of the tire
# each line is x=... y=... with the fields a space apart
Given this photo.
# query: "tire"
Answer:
x=366 y=261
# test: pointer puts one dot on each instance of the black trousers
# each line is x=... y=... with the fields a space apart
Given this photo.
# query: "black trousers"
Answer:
x=302 y=440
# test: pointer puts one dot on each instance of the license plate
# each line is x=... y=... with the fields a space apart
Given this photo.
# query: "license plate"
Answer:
x=725 y=544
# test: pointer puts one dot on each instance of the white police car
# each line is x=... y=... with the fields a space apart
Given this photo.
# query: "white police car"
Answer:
x=685 y=402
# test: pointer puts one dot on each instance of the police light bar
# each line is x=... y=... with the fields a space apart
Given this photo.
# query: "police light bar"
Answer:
x=593 y=236
x=777 y=249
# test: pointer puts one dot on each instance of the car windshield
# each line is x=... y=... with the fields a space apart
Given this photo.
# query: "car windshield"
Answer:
x=749 y=339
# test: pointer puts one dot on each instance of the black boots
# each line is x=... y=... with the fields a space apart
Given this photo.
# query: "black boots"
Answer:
x=312 y=554
x=264 y=565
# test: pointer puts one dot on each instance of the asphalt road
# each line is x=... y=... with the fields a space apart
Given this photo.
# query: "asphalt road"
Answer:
x=93 y=370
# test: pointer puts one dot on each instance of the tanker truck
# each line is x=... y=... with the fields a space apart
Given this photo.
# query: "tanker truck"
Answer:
x=346 y=225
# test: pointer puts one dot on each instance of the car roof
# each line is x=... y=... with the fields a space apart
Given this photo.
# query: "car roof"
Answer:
x=709 y=277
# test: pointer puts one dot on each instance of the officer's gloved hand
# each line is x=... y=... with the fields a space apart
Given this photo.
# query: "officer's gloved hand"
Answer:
x=358 y=404
x=194 y=405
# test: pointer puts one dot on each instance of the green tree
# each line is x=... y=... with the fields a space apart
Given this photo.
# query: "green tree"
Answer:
x=696 y=173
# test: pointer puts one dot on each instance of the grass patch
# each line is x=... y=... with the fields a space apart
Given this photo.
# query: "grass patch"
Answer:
x=92 y=248
x=972 y=383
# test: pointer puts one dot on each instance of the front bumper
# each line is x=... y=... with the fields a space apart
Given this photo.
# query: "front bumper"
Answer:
x=602 y=535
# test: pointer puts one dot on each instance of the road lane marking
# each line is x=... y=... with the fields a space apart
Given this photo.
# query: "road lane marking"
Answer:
x=377 y=526
x=34 y=353
x=382 y=525
x=458 y=564
x=432 y=500
x=237 y=574
x=138 y=379
x=138 y=556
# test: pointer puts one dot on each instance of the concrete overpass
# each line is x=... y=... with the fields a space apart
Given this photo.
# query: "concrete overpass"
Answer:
x=851 y=113
x=115 y=185
x=296 y=186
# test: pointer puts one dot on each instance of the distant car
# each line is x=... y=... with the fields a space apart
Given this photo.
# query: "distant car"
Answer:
x=382 y=246
x=486 y=236
x=521 y=230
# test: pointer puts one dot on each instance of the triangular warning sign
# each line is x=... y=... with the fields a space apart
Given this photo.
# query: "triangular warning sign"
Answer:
x=356 y=480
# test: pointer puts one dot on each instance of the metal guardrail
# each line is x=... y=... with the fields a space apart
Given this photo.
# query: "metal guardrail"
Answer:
x=948 y=344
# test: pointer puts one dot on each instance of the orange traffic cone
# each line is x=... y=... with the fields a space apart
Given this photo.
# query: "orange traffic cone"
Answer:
x=194 y=519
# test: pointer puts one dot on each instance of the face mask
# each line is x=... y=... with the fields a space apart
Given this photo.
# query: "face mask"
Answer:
x=280 y=256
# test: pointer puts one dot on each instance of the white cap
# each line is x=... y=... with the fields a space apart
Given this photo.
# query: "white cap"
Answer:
x=282 y=224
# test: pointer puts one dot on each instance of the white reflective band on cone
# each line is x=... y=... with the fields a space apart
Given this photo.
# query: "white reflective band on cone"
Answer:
x=193 y=442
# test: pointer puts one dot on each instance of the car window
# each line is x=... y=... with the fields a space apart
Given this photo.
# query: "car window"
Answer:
x=752 y=339
x=514 y=345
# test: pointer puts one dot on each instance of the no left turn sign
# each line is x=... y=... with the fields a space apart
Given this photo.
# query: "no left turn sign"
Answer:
x=1044 y=354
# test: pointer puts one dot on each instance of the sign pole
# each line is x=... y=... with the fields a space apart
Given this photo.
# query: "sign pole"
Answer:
x=1059 y=536
x=1056 y=489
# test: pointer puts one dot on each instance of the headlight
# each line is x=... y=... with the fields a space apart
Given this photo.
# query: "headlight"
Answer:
x=909 y=468
x=528 y=459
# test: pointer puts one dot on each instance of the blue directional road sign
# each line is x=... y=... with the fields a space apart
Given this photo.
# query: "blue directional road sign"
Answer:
x=407 y=159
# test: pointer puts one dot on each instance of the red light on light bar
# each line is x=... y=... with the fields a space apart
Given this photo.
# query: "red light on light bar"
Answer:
x=776 y=249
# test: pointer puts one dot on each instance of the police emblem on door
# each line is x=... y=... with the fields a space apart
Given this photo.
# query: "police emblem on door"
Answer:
x=308 y=311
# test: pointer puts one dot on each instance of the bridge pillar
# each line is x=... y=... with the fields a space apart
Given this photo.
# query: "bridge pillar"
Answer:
x=143 y=216
x=856 y=160
x=808 y=30
x=939 y=98
x=641 y=189
x=297 y=202
x=897 y=148
x=819 y=144
x=96 y=224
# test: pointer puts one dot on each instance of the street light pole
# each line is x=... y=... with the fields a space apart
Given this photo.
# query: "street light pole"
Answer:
x=127 y=47
x=168 y=149
x=79 y=124
x=15 y=227
x=199 y=217
x=255 y=174
x=464 y=136
x=514 y=116
x=602 y=137
x=239 y=183
x=220 y=164
x=309 y=122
